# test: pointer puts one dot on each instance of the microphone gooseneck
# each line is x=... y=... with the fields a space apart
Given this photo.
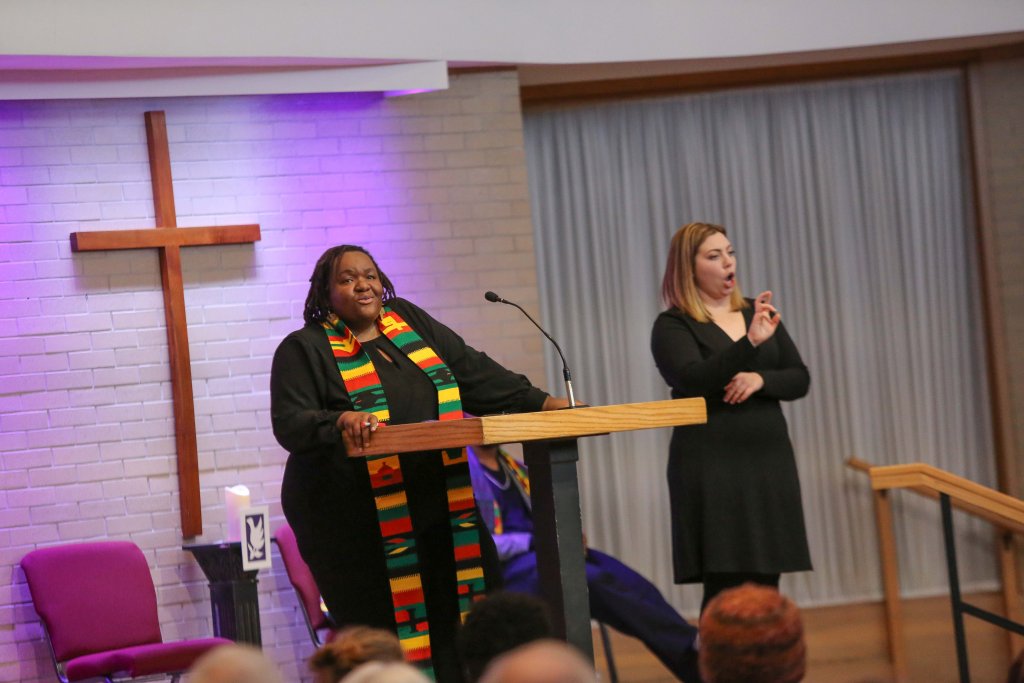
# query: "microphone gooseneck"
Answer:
x=494 y=298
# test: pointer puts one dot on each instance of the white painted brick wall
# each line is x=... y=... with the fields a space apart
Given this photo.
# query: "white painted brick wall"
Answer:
x=433 y=184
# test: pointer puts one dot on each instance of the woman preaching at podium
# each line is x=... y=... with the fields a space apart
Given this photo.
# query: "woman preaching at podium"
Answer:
x=733 y=486
x=393 y=541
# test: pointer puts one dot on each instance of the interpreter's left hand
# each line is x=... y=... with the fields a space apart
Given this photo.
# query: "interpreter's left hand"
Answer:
x=742 y=386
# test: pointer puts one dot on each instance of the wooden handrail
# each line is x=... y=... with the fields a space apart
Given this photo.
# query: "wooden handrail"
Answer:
x=998 y=508
x=1003 y=511
x=858 y=464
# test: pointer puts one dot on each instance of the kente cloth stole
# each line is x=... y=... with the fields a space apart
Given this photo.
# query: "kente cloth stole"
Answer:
x=364 y=388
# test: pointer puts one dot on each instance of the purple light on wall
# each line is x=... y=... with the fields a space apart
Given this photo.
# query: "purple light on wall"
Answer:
x=414 y=91
x=360 y=178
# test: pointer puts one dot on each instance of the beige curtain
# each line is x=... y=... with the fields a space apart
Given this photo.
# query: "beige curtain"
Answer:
x=851 y=201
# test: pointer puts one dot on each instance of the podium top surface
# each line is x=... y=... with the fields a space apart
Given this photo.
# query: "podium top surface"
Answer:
x=540 y=426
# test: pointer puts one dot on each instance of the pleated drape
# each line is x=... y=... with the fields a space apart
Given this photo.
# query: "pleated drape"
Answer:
x=851 y=201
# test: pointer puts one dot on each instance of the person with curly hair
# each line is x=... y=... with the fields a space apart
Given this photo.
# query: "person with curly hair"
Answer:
x=752 y=634
x=351 y=647
x=497 y=624
x=393 y=541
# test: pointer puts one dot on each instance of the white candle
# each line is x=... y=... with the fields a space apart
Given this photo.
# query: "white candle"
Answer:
x=236 y=498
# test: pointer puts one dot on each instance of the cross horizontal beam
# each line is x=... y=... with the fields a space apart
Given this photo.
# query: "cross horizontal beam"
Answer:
x=163 y=237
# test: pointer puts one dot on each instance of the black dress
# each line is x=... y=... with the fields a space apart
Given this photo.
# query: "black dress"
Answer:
x=733 y=485
x=327 y=497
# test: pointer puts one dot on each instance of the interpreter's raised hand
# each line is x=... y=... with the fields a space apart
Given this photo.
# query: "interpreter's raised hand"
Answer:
x=358 y=426
x=765 y=321
x=742 y=386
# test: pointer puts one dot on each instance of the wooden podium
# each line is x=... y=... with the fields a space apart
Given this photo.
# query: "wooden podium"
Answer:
x=549 y=446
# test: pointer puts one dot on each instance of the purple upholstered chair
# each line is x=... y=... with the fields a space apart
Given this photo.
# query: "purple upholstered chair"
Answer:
x=302 y=580
x=98 y=607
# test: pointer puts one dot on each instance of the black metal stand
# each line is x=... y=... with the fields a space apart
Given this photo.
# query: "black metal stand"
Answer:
x=234 y=599
x=959 y=606
x=558 y=539
x=609 y=658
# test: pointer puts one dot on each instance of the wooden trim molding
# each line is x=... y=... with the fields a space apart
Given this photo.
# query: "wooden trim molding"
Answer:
x=996 y=356
x=748 y=76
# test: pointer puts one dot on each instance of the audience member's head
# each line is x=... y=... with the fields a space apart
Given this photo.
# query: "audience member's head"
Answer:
x=542 y=661
x=498 y=623
x=351 y=647
x=234 y=664
x=751 y=634
x=386 y=672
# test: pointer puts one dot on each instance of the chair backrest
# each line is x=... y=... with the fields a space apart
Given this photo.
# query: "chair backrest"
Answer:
x=93 y=597
x=301 y=578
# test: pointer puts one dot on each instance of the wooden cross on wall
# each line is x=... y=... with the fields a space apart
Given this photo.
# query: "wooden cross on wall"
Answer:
x=169 y=239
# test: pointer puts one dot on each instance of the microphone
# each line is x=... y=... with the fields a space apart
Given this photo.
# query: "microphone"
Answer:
x=495 y=299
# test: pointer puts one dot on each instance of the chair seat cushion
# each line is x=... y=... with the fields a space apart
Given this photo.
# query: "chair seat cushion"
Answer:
x=141 y=660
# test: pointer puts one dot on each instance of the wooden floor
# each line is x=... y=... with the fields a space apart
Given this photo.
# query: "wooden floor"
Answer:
x=847 y=644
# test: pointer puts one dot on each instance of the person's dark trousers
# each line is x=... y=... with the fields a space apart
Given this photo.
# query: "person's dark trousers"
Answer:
x=716 y=583
x=629 y=603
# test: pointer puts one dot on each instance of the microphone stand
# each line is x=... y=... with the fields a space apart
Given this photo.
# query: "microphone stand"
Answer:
x=494 y=298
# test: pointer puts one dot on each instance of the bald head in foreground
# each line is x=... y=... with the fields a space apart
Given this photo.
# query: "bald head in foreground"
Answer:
x=542 y=661
x=386 y=672
x=234 y=664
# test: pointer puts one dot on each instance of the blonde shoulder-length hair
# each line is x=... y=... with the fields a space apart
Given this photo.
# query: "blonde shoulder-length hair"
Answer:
x=679 y=286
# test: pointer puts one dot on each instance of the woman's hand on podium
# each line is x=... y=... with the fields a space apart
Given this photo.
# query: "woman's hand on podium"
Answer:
x=357 y=426
x=559 y=403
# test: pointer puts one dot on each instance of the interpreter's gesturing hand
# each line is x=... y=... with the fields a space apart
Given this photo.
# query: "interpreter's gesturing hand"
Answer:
x=765 y=321
x=358 y=427
x=742 y=386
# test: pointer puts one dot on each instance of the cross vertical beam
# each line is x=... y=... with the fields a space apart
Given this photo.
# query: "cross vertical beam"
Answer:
x=177 y=328
x=169 y=239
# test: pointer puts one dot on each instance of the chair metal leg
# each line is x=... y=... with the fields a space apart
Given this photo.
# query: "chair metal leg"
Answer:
x=609 y=658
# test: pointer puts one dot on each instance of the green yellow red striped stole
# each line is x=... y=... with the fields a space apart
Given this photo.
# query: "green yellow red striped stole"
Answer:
x=364 y=389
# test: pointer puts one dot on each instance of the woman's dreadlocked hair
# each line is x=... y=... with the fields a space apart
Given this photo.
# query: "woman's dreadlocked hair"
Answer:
x=318 y=300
